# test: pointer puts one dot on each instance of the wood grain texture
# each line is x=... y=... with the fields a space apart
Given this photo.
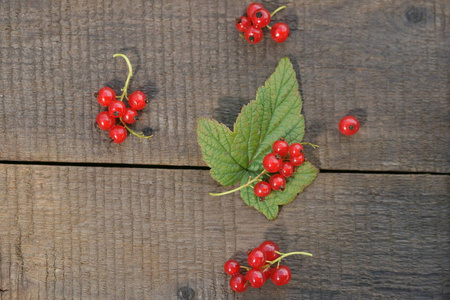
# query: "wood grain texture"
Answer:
x=119 y=233
x=385 y=61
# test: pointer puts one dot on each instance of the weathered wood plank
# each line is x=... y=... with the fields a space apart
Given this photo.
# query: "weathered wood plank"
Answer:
x=385 y=61
x=118 y=233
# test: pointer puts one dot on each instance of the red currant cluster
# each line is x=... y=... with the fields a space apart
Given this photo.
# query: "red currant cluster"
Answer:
x=258 y=17
x=260 y=260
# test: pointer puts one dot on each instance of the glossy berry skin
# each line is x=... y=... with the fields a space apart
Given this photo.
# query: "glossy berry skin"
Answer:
x=287 y=169
x=277 y=182
x=255 y=277
x=130 y=116
x=267 y=273
x=272 y=162
x=280 y=147
x=261 y=18
x=297 y=161
x=118 y=134
x=253 y=35
x=349 y=125
x=117 y=109
x=256 y=259
x=262 y=189
x=295 y=149
x=105 y=121
x=242 y=23
x=252 y=8
x=232 y=267
x=238 y=283
x=269 y=249
x=279 y=32
x=137 y=100
x=280 y=275
x=105 y=96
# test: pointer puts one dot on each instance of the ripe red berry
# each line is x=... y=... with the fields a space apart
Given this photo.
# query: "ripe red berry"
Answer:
x=118 y=134
x=297 y=161
x=287 y=169
x=277 y=182
x=252 y=8
x=349 y=125
x=253 y=35
x=279 y=32
x=267 y=273
x=255 y=277
x=137 y=100
x=295 y=149
x=256 y=259
x=130 y=116
x=105 y=121
x=260 y=18
x=262 y=189
x=105 y=96
x=272 y=162
x=238 y=283
x=269 y=248
x=280 y=275
x=242 y=23
x=232 y=267
x=280 y=147
x=117 y=109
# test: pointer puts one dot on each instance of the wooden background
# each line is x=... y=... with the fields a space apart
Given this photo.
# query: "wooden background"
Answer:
x=81 y=218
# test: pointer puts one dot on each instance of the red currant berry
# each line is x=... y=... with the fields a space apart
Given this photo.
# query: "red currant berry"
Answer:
x=118 y=134
x=280 y=275
x=256 y=259
x=269 y=249
x=137 y=100
x=105 y=96
x=253 y=35
x=280 y=147
x=117 y=109
x=105 y=121
x=130 y=116
x=277 y=182
x=272 y=162
x=267 y=273
x=262 y=189
x=255 y=277
x=349 y=125
x=261 y=18
x=297 y=161
x=242 y=23
x=252 y=8
x=238 y=283
x=279 y=32
x=287 y=170
x=295 y=149
x=232 y=267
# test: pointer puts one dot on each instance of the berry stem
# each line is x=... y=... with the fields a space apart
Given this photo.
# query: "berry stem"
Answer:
x=312 y=145
x=283 y=255
x=130 y=74
x=277 y=10
x=140 y=135
x=246 y=268
x=264 y=172
x=270 y=28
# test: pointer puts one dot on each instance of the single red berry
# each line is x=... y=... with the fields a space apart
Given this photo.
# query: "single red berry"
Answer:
x=252 y=8
x=280 y=147
x=117 y=109
x=137 y=100
x=267 y=273
x=253 y=35
x=130 y=116
x=349 y=125
x=262 y=189
x=277 y=182
x=105 y=121
x=232 y=267
x=256 y=259
x=297 y=161
x=242 y=23
x=287 y=169
x=118 y=134
x=238 y=283
x=105 y=95
x=295 y=149
x=261 y=18
x=255 y=277
x=269 y=249
x=272 y=162
x=280 y=275
x=279 y=32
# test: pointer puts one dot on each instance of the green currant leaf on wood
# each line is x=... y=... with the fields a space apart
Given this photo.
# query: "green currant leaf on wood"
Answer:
x=236 y=155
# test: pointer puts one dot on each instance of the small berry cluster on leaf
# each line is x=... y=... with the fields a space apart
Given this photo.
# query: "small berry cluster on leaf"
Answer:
x=264 y=262
x=257 y=18
x=117 y=110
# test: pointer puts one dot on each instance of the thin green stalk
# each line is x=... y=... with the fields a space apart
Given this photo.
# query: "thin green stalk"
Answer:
x=277 y=10
x=241 y=187
x=130 y=74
